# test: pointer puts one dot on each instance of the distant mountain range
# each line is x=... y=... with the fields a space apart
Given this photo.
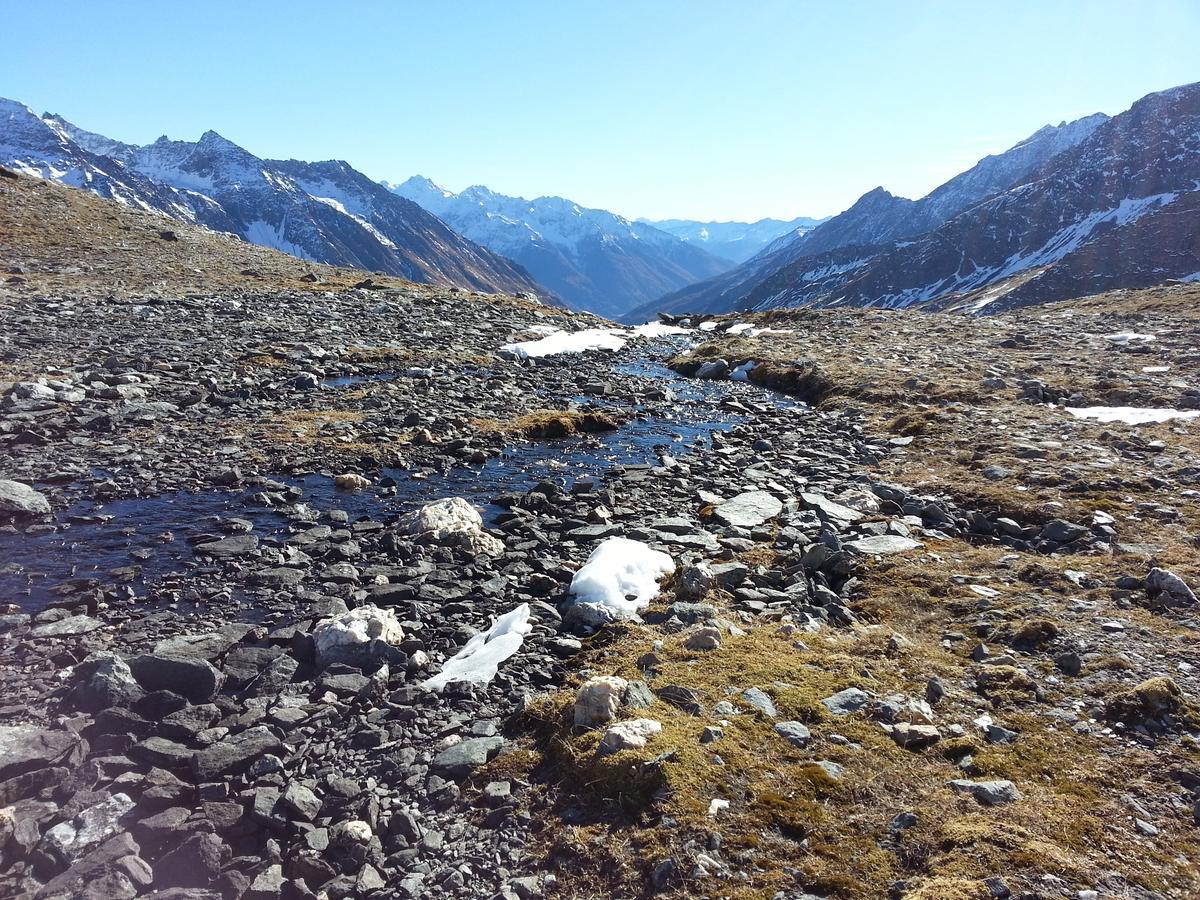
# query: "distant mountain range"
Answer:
x=326 y=212
x=594 y=259
x=1086 y=206
x=734 y=241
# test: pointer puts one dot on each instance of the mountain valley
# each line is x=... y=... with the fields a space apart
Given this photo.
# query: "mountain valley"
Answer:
x=351 y=548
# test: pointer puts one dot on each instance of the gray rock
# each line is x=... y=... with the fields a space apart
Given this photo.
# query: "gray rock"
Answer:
x=17 y=499
x=71 y=626
x=302 y=801
x=1063 y=532
x=760 y=701
x=104 y=680
x=196 y=679
x=882 y=545
x=27 y=748
x=848 y=701
x=748 y=510
x=234 y=754
x=459 y=759
x=988 y=793
x=236 y=545
x=795 y=733
x=827 y=510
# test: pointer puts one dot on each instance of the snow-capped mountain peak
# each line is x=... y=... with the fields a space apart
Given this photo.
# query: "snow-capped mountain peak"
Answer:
x=326 y=212
x=592 y=257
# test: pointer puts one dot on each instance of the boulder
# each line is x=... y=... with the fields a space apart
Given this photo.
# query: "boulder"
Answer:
x=20 y=500
x=351 y=637
x=748 y=510
x=196 y=679
x=452 y=522
x=988 y=793
x=598 y=700
x=234 y=754
x=630 y=735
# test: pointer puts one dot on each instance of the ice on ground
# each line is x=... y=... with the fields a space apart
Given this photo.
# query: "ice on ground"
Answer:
x=742 y=372
x=755 y=332
x=621 y=574
x=1130 y=415
x=710 y=325
x=739 y=328
x=611 y=339
x=1155 y=370
x=659 y=329
x=1129 y=337
x=479 y=660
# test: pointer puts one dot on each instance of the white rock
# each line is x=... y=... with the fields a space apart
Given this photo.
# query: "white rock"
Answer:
x=22 y=500
x=630 y=735
x=345 y=638
x=352 y=481
x=598 y=699
x=452 y=522
x=703 y=638
x=354 y=831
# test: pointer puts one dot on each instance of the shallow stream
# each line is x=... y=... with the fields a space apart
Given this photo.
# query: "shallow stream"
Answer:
x=140 y=541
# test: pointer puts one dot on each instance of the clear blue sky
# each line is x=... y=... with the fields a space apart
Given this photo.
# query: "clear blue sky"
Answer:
x=656 y=108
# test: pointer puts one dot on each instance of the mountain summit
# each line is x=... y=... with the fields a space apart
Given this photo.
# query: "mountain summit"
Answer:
x=325 y=212
x=594 y=259
x=1076 y=208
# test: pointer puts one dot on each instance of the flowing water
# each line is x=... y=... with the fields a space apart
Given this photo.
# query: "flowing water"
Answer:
x=140 y=541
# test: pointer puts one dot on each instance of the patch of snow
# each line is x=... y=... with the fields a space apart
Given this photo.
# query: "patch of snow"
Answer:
x=621 y=574
x=1129 y=337
x=742 y=372
x=1155 y=370
x=710 y=325
x=479 y=660
x=267 y=235
x=1130 y=415
x=739 y=328
x=658 y=329
x=611 y=339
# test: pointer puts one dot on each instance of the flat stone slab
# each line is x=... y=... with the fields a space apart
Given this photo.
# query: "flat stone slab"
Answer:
x=829 y=511
x=459 y=759
x=882 y=545
x=748 y=510
x=71 y=626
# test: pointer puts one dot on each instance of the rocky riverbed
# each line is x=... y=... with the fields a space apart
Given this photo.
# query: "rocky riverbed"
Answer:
x=695 y=636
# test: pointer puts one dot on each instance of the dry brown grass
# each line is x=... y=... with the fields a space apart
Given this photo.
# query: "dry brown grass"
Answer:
x=548 y=424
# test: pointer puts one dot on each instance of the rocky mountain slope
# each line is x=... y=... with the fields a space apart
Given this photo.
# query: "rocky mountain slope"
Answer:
x=594 y=259
x=316 y=587
x=1091 y=205
x=348 y=221
x=735 y=241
